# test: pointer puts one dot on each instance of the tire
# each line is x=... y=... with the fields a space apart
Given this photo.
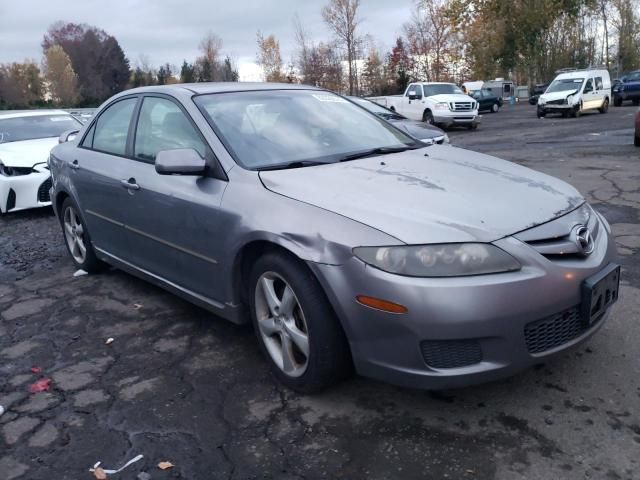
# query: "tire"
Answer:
x=636 y=102
x=617 y=101
x=77 y=238
x=328 y=357
x=636 y=141
x=494 y=108
x=575 y=113
x=427 y=117
x=540 y=112
x=605 y=106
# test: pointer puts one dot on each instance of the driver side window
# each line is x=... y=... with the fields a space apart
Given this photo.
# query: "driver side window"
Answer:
x=162 y=125
x=588 y=87
x=415 y=90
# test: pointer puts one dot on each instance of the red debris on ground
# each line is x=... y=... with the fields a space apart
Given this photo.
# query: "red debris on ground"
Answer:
x=42 y=385
x=36 y=369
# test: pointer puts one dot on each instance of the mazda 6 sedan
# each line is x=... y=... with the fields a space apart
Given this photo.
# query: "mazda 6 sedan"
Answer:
x=347 y=243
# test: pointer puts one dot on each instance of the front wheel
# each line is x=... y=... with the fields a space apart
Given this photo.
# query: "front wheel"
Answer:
x=427 y=117
x=540 y=112
x=297 y=330
x=605 y=106
x=77 y=238
x=577 y=110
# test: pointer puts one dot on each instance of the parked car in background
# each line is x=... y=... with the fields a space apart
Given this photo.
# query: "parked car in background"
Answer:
x=487 y=100
x=419 y=130
x=636 y=138
x=573 y=92
x=537 y=90
x=442 y=104
x=26 y=138
x=82 y=114
x=349 y=243
x=627 y=87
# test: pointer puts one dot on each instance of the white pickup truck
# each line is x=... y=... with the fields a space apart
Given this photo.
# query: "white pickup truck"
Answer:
x=437 y=103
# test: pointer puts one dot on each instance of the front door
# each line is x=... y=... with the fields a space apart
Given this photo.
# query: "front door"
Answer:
x=97 y=168
x=171 y=219
x=589 y=95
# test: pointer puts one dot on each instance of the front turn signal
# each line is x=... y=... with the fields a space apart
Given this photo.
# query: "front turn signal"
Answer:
x=382 y=305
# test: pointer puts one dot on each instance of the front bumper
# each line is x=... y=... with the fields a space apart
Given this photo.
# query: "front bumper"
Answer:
x=460 y=118
x=482 y=315
x=25 y=191
x=556 y=107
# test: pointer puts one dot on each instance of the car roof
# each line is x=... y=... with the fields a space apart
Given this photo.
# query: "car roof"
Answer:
x=436 y=83
x=580 y=74
x=30 y=113
x=219 y=87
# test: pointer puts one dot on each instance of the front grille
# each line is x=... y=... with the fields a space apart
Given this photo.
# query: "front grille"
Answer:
x=461 y=106
x=554 y=331
x=451 y=353
x=561 y=101
x=43 y=191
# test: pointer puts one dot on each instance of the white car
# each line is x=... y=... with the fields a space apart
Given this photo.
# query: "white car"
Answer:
x=437 y=103
x=573 y=92
x=26 y=138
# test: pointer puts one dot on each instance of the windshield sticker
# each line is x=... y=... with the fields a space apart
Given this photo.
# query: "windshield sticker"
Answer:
x=329 y=98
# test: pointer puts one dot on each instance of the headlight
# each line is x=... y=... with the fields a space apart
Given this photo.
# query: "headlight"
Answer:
x=439 y=260
x=14 y=171
x=569 y=100
x=441 y=106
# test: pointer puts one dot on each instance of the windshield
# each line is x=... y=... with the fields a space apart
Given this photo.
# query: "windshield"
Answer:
x=442 y=89
x=565 y=85
x=277 y=127
x=36 y=126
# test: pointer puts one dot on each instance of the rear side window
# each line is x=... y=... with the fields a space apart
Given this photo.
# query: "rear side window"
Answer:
x=599 y=83
x=112 y=127
x=162 y=125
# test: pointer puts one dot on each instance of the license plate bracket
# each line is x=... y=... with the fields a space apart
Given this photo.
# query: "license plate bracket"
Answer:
x=599 y=292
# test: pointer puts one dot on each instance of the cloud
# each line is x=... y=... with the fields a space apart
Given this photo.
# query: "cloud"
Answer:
x=169 y=30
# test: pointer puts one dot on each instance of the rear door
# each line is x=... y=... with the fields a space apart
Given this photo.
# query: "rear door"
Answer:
x=99 y=165
x=172 y=220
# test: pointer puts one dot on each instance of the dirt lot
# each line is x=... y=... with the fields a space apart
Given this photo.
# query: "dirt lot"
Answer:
x=180 y=385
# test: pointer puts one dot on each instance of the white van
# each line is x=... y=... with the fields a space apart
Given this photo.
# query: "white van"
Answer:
x=573 y=92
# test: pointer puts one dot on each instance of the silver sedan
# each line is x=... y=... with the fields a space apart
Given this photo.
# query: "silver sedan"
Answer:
x=347 y=243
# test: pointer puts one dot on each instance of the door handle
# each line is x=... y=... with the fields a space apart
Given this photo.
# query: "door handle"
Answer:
x=130 y=184
x=74 y=165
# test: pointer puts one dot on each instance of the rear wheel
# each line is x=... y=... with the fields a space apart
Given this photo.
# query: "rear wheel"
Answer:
x=605 y=106
x=297 y=330
x=495 y=107
x=77 y=238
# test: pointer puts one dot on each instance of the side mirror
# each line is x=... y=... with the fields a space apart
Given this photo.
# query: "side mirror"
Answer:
x=181 y=161
x=67 y=136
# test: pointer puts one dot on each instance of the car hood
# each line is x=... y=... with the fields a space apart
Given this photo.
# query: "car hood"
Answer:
x=26 y=153
x=548 y=97
x=419 y=130
x=451 y=97
x=435 y=194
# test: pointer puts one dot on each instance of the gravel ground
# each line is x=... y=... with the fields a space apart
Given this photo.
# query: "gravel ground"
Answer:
x=180 y=385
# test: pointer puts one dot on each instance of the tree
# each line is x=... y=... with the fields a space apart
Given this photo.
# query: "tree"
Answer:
x=187 y=72
x=165 y=74
x=96 y=57
x=342 y=17
x=61 y=79
x=209 y=62
x=229 y=72
x=20 y=85
x=269 y=58
x=373 y=74
x=399 y=65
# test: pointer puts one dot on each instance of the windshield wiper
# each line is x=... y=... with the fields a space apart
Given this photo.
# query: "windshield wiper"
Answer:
x=295 y=164
x=378 y=151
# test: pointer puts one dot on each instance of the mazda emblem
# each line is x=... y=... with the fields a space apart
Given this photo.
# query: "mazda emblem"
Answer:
x=583 y=240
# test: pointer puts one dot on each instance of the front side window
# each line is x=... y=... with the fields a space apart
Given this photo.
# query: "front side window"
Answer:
x=162 y=125
x=274 y=127
x=588 y=87
x=31 y=127
x=415 y=90
x=112 y=128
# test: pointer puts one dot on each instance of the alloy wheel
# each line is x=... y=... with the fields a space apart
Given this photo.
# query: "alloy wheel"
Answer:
x=74 y=235
x=282 y=324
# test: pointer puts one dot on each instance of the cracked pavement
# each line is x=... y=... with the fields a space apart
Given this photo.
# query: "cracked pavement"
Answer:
x=180 y=385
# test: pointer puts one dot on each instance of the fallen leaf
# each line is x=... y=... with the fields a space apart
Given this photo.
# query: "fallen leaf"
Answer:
x=165 y=465
x=99 y=474
x=36 y=369
x=42 y=385
x=109 y=340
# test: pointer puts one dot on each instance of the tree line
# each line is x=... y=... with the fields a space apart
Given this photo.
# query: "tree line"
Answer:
x=442 y=40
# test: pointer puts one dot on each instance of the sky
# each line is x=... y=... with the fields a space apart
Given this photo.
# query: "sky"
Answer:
x=170 y=30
